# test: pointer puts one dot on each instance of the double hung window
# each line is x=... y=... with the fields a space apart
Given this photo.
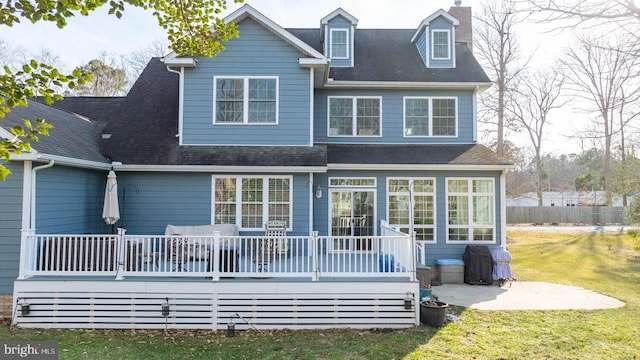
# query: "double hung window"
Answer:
x=440 y=47
x=339 y=44
x=246 y=100
x=430 y=116
x=249 y=202
x=354 y=116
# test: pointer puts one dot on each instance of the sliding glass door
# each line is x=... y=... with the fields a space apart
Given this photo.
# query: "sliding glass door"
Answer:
x=352 y=216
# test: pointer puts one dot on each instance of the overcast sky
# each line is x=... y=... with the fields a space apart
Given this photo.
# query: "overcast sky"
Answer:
x=86 y=38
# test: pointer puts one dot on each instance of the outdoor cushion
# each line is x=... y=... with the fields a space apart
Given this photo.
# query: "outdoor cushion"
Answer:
x=205 y=230
x=197 y=250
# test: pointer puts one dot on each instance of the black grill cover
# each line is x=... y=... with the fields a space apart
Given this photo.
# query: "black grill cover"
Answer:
x=478 y=265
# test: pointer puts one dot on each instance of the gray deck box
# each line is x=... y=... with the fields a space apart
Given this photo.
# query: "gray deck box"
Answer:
x=450 y=271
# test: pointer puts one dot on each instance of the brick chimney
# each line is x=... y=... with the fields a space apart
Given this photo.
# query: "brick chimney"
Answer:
x=464 y=31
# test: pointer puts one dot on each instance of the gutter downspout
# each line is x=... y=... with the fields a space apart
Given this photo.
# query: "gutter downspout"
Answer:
x=29 y=216
x=180 y=100
x=32 y=217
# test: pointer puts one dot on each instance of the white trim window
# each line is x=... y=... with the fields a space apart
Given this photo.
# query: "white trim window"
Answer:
x=354 y=116
x=250 y=201
x=471 y=210
x=349 y=182
x=413 y=199
x=245 y=100
x=339 y=44
x=430 y=116
x=440 y=44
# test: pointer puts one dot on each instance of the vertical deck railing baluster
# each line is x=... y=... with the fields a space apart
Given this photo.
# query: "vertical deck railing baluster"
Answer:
x=314 y=256
x=215 y=267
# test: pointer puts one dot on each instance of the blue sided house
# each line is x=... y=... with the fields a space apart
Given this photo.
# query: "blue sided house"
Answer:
x=296 y=180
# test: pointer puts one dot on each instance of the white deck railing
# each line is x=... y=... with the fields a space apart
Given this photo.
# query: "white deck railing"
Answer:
x=218 y=256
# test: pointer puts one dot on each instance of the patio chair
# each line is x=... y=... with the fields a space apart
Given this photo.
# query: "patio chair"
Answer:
x=278 y=230
x=265 y=248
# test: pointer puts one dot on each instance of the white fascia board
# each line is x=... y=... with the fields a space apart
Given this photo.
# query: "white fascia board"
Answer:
x=407 y=85
x=25 y=156
x=223 y=168
x=61 y=160
x=408 y=167
x=179 y=61
x=430 y=18
x=79 y=163
x=312 y=62
x=339 y=12
x=5 y=134
x=248 y=11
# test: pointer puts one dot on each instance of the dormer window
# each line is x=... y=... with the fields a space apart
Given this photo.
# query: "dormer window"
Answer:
x=339 y=44
x=434 y=40
x=338 y=35
x=440 y=44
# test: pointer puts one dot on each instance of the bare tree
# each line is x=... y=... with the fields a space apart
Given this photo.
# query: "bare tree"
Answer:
x=599 y=71
x=621 y=16
x=10 y=55
x=496 y=42
x=137 y=60
x=535 y=97
x=625 y=176
x=593 y=10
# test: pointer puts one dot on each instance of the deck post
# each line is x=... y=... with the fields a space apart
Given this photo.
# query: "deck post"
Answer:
x=314 y=260
x=121 y=254
x=215 y=267
x=25 y=253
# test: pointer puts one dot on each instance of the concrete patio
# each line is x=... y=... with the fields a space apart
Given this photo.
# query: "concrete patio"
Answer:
x=522 y=295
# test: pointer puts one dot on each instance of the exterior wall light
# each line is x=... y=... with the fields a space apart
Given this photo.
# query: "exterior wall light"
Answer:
x=25 y=309
x=318 y=192
x=165 y=307
x=408 y=301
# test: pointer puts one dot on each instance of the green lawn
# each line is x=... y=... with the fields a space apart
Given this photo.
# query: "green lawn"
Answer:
x=609 y=264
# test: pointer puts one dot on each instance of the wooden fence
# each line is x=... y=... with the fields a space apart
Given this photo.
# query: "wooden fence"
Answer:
x=592 y=215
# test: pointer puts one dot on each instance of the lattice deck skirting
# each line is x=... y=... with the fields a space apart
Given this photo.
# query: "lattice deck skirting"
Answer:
x=256 y=304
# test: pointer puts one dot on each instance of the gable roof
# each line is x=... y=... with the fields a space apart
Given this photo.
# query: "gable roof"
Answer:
x=143 y=128
x=72 y=137
x=339 y=12
x=397 y=61
x=246 y=11
x=423 y=25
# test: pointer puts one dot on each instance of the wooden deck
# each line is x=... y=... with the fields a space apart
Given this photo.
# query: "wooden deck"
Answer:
x=118 y=281
x=196 y=304
x=216 y=257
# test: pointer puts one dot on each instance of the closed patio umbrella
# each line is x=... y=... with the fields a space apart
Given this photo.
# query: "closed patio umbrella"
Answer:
x=111 y=210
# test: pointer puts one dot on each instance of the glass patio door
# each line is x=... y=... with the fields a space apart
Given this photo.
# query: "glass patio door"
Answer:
x=352 y=215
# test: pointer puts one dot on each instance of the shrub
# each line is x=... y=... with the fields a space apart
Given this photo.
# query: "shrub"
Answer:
x=633 y=212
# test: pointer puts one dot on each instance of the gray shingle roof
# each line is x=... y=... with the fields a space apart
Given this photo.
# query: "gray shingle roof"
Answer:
x=432 y=154
x=143 y=128
x=144 y=124
x=389 y=55
x=71 y=136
